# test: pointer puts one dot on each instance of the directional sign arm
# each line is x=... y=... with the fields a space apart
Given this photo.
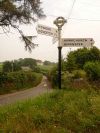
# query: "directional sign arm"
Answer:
x=77 y=42
x=49 y=31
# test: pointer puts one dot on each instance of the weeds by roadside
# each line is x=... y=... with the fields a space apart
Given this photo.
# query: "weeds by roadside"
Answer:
x=75 y=111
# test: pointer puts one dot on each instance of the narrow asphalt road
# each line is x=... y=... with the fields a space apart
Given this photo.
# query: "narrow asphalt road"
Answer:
x=43 y=87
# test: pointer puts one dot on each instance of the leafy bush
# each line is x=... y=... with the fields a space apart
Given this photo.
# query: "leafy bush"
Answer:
x=1 y=67
x=76 y=80
x=79 y=74
x=53 y=76
x=66 y=80
x=76 y=59
x=45 y=69
x=93 y=70
x=18 y=80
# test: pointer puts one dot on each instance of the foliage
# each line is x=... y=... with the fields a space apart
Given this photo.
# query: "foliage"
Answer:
x=48 y=63
x=7 y=66
x=53 y=76
x=58 y=112
x=71 y=62
x=16 y=12
x=79 y=74
x=77 y=79
x=45 y=69
x=15 y=81
x=28 y=62
x=95 y=54
x=77 y=59
x=3 y=78
x=66 y=80
x=10 y=66
x=1 y=66
x=93 y=70
x=16 y=65
x=12 y=11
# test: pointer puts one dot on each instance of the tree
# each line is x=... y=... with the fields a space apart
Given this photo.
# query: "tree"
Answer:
x=94 y=54
x=10 y=66
x=77 y=59
x=93 y=70
x=47 y=63
x=28 y=62
x=16 y=12
x=16 y=65
x=7 y=66
x=71 y=61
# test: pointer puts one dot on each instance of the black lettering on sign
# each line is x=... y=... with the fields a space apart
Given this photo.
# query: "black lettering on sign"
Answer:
x=45 y=32
x=74 y=44
x=45 y=28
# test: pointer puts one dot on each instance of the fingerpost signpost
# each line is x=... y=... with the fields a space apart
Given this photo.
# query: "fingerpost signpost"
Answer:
x=59 y=22
x=63 y=42
x=77 y=42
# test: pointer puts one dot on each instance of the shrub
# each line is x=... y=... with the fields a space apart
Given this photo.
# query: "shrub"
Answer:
x=79 y=74
x=77 y=81
x=53 y=76
x=93 y=70
x=18 y=80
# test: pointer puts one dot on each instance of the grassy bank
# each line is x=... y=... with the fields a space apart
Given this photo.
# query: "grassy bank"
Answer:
x=74 y=111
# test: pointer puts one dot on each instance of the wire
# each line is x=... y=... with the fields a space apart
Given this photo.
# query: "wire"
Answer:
x=79 y=19
x=71 y=9
x=71 y=18
x=89 y=4
x=70 y=12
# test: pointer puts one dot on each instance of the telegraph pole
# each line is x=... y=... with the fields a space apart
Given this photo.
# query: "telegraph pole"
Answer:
x=59 y=22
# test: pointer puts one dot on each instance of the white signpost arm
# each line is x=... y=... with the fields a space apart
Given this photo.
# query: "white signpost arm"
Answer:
x=77 y=42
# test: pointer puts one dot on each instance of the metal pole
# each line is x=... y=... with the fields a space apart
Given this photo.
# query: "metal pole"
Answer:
x=59 y=22
x=59 y=57
x=59 y=67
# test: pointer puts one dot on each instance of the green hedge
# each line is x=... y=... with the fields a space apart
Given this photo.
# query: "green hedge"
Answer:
x=15 y=81
x=93 y=70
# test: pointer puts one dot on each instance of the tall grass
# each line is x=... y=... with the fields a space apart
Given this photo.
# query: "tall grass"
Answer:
x=58 y=112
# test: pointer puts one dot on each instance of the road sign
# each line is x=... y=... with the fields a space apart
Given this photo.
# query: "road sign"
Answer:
x=77 y=42
x=45 y=30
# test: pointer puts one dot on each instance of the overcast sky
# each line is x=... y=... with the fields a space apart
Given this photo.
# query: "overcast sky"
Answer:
x=83 y=22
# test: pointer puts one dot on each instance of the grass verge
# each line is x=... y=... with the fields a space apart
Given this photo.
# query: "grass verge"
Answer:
x=58 y=112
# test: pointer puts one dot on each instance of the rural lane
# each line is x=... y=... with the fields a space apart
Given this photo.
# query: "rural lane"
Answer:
x=43 y=87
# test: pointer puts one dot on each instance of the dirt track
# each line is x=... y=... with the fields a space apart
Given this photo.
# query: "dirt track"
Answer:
x=43 y=87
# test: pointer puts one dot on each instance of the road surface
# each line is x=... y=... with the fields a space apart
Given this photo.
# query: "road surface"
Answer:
x=43 y=87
